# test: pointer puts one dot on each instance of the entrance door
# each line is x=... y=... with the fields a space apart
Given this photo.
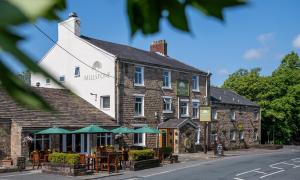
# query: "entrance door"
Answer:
x=166 y=138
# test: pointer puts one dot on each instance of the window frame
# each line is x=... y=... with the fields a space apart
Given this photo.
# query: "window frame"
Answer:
x=232 y=138
x=101 y=102
x=62 y=76
x=215 y=114
x=232 y=115
x=143 y=136
x=78 y=74
x=48 y=81
x=169 y=79
x=142 y=105
x=197 y=89
x=170 y=107
x=142 y=83
x=187 y=107
x=195 y=101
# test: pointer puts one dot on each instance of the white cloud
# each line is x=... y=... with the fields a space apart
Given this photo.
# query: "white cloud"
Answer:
x=296 y=41
x=265 y=38
x=223 y=72
x=252 y=54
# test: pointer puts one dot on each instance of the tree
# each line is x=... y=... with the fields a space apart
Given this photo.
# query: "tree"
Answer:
x=144 y=16
x=277 y=94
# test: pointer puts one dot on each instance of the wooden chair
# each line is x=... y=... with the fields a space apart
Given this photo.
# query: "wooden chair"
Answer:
x=36 y=161
x=113 y=161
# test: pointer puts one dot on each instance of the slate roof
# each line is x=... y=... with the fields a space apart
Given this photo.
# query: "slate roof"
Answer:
x=226 y=96
x=128 y=53
x=176 y=123
x=72 y=111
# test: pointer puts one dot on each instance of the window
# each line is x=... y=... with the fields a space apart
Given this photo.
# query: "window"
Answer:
x=195 y=83
x=139 y=76
x=232 y=115
x=167 y=79
x=167 y=104
x=214 y=136
x=62 y=79
x=196 y=109
x=139 y=106
x=184 y=108
x=104 y=139
x=255 y=135
x=215 y=114
x=232 y=135
x=241 y=135
x=105 y=102
x=48 y=81
x=41 y=142
x=139 y=138
x=77 y=72
x=256 y=116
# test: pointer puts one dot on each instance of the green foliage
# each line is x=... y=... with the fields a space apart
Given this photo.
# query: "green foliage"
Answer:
x=14 y=13
x=64 y=158
x=145 y=15
x=167 y=150
x=137 y=155
x=277 y=94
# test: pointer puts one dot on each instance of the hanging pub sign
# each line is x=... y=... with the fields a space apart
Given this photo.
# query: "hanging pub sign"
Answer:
x=183 y=88
x=205 y=114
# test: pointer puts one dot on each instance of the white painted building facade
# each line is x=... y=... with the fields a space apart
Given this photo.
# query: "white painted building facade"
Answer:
x=84 y=68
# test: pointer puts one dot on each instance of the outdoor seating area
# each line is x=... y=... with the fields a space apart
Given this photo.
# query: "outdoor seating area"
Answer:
x=95 y=159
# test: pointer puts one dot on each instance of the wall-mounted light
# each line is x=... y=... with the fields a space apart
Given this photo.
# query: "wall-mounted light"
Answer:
x=93 y=94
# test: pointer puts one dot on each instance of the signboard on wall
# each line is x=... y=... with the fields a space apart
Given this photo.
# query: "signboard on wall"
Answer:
x=183 y=88
x=205 y=114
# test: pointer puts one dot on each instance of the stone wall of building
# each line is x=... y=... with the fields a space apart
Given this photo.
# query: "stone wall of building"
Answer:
x=153 y=92
x=16 y=141
x=187 y=133
x=5 y=134
x=247 y=121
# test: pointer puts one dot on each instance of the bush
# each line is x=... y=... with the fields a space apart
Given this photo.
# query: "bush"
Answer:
x=64 y=158
x=137 y=155
x=166 y=151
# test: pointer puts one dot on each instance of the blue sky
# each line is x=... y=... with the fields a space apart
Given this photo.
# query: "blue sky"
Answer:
x=257 y=35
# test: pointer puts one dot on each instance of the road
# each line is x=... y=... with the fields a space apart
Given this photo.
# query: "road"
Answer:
x=280 y=165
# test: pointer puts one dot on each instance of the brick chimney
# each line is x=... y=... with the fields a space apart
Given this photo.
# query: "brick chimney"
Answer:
x=160 y=47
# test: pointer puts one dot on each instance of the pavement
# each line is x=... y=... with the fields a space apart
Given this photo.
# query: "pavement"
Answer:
x=250 y=164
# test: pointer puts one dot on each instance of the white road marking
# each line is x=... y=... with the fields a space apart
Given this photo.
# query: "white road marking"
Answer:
x=238 y=178
x=271 y=174
x=253 y=170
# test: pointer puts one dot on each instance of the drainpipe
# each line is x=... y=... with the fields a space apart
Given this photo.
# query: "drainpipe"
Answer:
x=117 y=91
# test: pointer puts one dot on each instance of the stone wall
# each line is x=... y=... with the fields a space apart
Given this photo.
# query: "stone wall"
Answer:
x=16 y=141
x=153 y=92
x=5 y=134
x=187 y=132
x=245 y=121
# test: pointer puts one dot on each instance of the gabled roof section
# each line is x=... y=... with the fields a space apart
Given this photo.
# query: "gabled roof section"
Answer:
x=176 y=123
x=71 y=111
x=226 y=96
x=135 y=55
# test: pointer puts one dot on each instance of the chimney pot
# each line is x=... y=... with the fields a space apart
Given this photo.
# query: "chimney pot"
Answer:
x=73 y=14
x=159 y=46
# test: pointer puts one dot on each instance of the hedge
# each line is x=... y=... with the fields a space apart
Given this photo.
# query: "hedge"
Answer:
x=64 y=158
x=167 y=151
x=137 y=155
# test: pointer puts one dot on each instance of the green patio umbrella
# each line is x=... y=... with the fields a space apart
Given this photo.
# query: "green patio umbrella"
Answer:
x=147 y=130
x=91 y=129
x=123 y=130
x=54 y=130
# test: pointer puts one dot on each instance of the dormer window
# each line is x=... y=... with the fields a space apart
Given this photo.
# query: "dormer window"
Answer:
x=139 y=76
x=195 y=83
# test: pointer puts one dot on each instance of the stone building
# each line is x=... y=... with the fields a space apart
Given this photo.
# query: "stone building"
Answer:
x=135 y=87
x=71 y=112
x=236 y=121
